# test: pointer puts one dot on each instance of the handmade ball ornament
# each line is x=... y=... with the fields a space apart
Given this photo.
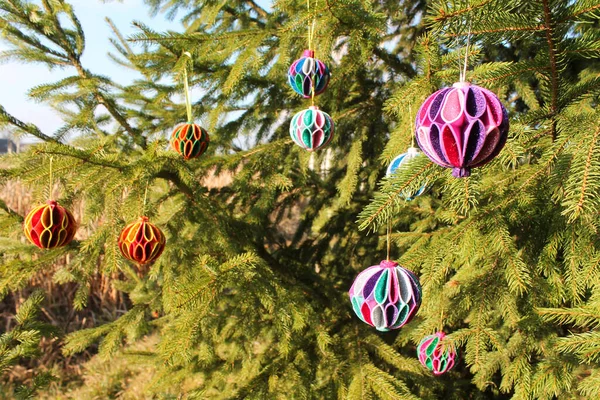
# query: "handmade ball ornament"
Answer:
x=403 y=158
x=462 y=127
x=141 y=241
x=49 y=226
x=311 y=128
x=189 y=140
x=386 y=296
x=434 y=355
x=307 y=73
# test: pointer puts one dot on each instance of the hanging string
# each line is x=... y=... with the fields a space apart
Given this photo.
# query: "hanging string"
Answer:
x=311 y=37
x=389 y=235
x=51 y=181
x=145 y=197
x=188 y=101
x=463 y=73
x=412 y=125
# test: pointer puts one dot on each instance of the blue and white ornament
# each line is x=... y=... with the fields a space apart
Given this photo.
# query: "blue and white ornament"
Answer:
x=403 y=158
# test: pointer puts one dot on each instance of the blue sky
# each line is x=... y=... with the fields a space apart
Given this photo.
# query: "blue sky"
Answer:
x=17 y=78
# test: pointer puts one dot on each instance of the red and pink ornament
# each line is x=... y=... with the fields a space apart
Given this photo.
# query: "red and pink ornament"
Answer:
x=462 y=127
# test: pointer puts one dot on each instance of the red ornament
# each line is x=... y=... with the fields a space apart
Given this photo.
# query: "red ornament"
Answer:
x=49 y=226
x=189 y=140
x=141 y=241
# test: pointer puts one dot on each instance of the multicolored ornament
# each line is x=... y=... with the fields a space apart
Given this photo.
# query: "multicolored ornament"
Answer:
x=311 y=128
x=386 y=296
x=49 y=226
x=141 y=241
x=462 y=127
x=436 y=355
x=410 y=154
x=189 y=140
x=307 y=73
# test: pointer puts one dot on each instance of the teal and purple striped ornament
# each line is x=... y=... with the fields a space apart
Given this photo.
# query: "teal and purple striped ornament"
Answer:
x=311 y=128
x=397 y=162
x=386 y=296
x=307 y=73
x=435 y=355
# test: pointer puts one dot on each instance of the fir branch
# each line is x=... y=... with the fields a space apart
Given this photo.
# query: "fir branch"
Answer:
x=549 y=25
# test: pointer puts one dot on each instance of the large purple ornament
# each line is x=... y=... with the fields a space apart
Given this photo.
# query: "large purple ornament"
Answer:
x=462 y=127
x=307 y=73
x=386 y=296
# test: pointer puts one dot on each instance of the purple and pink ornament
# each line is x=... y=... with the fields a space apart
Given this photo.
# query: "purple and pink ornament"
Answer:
x=435 y=355
x=462 y=127
x=386 y=296
x=311 y=129
x=307 y=74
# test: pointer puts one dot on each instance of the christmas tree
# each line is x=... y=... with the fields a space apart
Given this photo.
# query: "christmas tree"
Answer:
x=262 y=239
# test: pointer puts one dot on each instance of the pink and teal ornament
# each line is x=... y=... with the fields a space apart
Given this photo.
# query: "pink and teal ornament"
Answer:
x=311 y=128
x=397 y=162
x=307 y=73
x=435 y=355
x=462 y=127
x=386 y=296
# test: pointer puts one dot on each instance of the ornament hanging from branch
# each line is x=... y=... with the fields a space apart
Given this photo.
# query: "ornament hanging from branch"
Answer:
x=189 y=139
x=311 y=129
x=462 y=127
x=50 y=225
x=397 y=162
x=141 y=241
x=386 y=296
x=308 y=75
x=435 y=354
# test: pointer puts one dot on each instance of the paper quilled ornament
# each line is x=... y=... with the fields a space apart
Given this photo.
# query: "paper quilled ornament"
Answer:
x=141 y=241
x=49 y=226
x=386 y=296
x=435 y=355
x=462 y=127
x=308 y=73
x=189 y=140
x=397 y=162
x=311 y=129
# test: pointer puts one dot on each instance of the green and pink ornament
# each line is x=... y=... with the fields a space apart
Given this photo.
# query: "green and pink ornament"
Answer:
x=311 y=129
x=386 y=296
x=462 y=127
x=435 y=355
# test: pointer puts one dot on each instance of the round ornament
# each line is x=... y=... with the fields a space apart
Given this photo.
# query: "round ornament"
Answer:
x=307 y=73
x=462 y=127
x=435 y=355
x=141 y=241
x=189 y=140
x=410 y=154
x=311 y=128
x=49 y=226
x=386 y=296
